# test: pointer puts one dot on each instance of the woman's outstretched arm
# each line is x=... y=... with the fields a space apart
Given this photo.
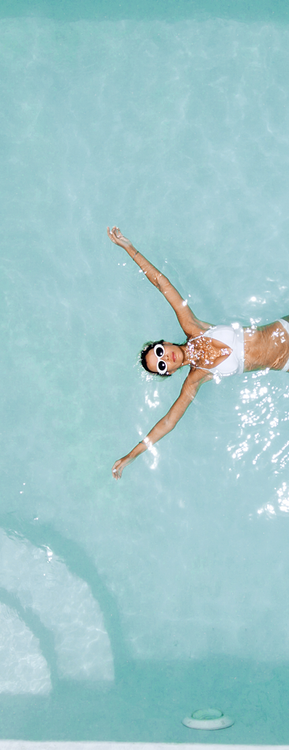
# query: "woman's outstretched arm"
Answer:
x=190 y=387
x=188 y=321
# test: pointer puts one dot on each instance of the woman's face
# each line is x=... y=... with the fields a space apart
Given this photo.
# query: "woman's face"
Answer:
x=173 y=356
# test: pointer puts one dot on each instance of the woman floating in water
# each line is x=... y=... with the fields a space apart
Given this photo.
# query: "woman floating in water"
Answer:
x=211 y=352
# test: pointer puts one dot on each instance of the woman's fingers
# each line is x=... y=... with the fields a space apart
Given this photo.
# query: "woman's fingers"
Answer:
x=110 y=233
x=114 y=234
x=117 y=469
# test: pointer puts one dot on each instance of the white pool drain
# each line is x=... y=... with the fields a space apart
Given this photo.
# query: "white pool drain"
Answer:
x=208 y=718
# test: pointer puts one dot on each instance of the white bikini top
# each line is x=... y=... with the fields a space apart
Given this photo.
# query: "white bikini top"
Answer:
x=232 y=336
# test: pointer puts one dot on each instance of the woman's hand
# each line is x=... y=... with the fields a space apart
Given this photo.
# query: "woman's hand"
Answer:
x=117 y=237
x=120 y=465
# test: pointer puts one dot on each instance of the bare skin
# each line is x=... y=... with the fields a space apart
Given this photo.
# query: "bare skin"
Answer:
x=265 y=347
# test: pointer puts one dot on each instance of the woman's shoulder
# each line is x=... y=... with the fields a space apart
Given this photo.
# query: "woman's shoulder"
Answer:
x=196 y=329
x=197 y=375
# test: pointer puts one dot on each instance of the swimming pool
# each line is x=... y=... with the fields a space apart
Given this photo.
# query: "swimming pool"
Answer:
x=127 y=606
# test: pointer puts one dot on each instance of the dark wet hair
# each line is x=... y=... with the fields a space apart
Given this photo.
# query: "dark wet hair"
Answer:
x=145 y=350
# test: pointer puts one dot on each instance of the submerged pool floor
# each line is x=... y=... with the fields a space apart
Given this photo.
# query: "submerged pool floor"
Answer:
x=150 y=702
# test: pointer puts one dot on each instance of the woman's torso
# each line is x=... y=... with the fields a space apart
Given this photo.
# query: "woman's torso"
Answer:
x=266 y=347
x=229 y=350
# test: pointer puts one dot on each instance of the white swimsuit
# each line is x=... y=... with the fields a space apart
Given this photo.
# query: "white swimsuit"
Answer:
x=232 y=336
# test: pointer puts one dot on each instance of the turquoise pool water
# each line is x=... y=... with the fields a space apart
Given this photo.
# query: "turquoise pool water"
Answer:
x=126 y=606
